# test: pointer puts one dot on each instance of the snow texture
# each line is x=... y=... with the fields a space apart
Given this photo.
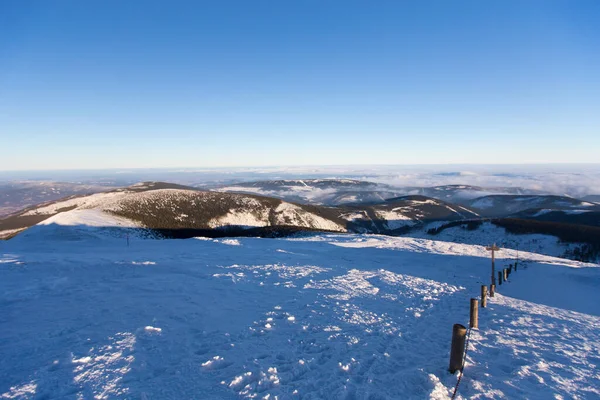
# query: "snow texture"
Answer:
x=326 y=316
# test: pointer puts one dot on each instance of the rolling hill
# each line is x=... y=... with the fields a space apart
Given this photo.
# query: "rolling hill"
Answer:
x=507 y=205
x=179 y=211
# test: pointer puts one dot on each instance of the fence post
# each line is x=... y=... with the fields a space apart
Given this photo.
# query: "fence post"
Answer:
x=483 y=296
x=474 y=321
x=499 y=277
x=515 y=266
x=492 y=290
x=505 y=277
x=457 y=349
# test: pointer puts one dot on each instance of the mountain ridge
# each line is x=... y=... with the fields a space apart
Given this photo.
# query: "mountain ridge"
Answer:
x=167 y=207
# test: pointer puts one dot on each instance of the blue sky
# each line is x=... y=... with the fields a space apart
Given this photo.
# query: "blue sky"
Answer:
x=124 y=84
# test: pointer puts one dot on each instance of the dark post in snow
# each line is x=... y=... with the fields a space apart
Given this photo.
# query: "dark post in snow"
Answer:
x=492 y=290
x=515 y=266
x=483 y=296
x=493 y=248
x=505 y=277
x=499 y=278
x=474 y=321
x=457 y=349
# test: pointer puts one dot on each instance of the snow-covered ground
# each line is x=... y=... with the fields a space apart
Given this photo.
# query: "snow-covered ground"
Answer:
x=327 y=316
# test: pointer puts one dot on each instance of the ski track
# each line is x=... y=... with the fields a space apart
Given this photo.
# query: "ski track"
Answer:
x=330 y=316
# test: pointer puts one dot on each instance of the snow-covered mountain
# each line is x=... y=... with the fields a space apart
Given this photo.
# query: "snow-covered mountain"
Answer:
x=165 y=207
x=506 y=205
x=463 y=194
x=399 y=213
x=328 y=316
x=168 y=210
x=183 y=212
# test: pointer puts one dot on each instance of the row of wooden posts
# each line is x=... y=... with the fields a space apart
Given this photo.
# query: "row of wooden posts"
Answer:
x=459 y=332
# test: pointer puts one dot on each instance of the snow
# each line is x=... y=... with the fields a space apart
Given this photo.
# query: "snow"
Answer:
x=575 y=212
x=423 y=202
x=8 y=232
x=326 y=316
x=355 y=216
x=245 y=219
x=151 y=329
x=489 y=233
x=91 y=218
x=395 y=219
x=98 y=200
x=290 y=214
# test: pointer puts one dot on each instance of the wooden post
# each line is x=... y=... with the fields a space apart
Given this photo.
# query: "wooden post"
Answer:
x=499 y=278
x=474 y=321
x=505 y=277
x=492 y=290
x=493 y=248
x=457 y=349
x=515 y=266
x=483 y=296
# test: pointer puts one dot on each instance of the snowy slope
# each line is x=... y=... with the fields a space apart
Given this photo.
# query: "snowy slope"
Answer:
x=79 y=225
x=328 y=316
x=489 y=233
x=154 y=208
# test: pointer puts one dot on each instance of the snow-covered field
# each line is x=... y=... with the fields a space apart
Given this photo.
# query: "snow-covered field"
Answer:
x=327 y=316
x=489 y=233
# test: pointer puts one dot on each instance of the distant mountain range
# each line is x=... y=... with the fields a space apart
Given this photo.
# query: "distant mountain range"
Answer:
x=506 y=205
x=15 y=196
x=593 y=198
x=349 y=191
x=181 y=211
x=171 y=210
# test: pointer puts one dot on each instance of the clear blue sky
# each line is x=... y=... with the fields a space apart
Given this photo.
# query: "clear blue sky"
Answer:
x=116 y=84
